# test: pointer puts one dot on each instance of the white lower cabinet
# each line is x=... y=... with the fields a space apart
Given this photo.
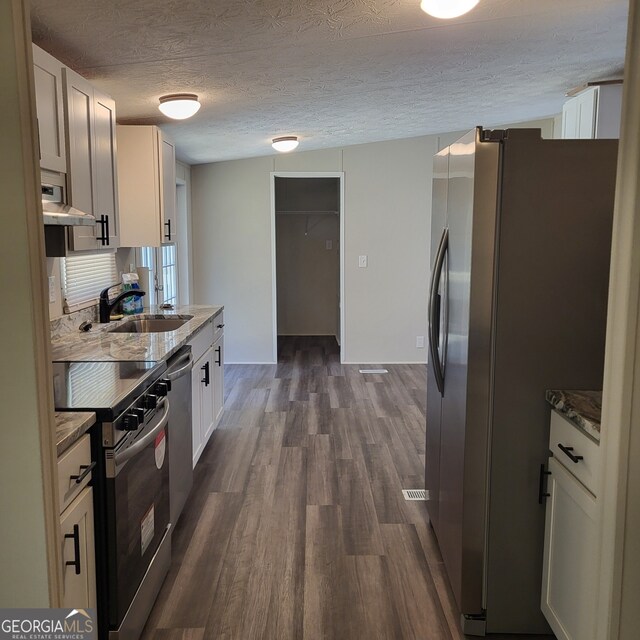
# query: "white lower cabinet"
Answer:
x=207 y=416
x=570 y=573
x=207 y=386
x=76 y=526
x=218 y=379
x=75 y=499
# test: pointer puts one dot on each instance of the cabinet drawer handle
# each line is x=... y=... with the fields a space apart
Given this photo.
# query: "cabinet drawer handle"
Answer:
x=568 y=452
x=85 y=470
x=542 y=494
x=219 y=326
x=76 y=548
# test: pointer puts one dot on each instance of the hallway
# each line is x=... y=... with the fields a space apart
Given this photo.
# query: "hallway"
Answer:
x=296 y=526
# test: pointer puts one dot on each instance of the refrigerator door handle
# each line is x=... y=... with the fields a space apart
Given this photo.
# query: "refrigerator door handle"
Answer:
x=434 y=308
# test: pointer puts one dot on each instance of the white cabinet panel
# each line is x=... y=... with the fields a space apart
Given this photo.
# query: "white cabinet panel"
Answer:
x=147 y=186
x=570 y=572
x=78 y=553
x=169 y=226
x=51 y=132
x=106 y=203
x=91 y=162
x=218 y=379
x=198 y=444
x=594 y=113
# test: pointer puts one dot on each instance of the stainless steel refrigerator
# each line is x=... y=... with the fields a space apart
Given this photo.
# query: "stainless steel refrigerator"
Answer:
x=520 y=250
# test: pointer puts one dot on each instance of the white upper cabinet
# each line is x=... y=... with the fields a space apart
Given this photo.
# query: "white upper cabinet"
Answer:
x=51 y=131
x=91 y=162
x=593 y=113
x=169 y=227
x=146 y=186
x=106 y=166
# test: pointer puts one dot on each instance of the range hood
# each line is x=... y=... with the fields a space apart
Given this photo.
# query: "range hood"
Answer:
x=56 y=213
x=65 y=215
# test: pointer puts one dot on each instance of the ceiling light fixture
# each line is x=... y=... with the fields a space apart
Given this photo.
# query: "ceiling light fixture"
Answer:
x=285 y=143
x=446 y=9
x=179 y=106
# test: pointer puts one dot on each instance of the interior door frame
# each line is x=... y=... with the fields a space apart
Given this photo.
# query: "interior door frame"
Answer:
x=274 y=292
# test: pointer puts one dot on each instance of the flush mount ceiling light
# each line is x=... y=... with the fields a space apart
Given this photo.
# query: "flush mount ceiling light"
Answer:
x=179 y=106
x=285 y=143
x=447 y=9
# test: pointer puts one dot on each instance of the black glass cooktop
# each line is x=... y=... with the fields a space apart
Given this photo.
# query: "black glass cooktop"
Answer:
x=107 y=388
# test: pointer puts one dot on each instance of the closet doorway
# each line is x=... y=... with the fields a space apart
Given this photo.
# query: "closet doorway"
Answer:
x=307 y=256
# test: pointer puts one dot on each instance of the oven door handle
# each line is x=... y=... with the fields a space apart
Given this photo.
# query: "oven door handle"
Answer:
x=141 y=444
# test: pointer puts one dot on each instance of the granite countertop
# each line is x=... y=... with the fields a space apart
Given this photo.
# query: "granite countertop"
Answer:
x=582 y=408
x=70 y=426
x=100 y=345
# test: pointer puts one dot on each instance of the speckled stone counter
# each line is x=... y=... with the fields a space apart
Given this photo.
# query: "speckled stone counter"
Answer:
x=70 y=426
x=582 y=408
x=100 y=344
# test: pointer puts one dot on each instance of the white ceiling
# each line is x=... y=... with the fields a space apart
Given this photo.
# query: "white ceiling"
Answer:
x=334 y=72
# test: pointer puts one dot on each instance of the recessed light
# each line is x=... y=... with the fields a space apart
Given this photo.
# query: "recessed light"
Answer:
x=447 y=9
x=285 y=143
x=179 y=106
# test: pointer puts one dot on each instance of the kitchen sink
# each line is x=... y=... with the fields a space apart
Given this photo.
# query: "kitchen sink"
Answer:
x=152 y=324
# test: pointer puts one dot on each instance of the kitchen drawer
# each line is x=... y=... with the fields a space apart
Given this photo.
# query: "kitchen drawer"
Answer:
x=201 y=341
x=71 y=465
x=566 y=434
x=218 y=326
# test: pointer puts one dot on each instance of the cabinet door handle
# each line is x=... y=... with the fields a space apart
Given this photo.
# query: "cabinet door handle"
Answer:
x=76 y=548
x=85 y=470
x=219 y=352
x=205 y=368
x=542 y=494
x=106 y=235
x=168 y=225
x=568 y=452
x=102 y=222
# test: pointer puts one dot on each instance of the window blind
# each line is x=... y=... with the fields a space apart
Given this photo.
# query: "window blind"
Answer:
x=84 y=276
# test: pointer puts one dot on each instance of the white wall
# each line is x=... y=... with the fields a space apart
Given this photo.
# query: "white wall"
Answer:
x=232 y=252
x=387 y=202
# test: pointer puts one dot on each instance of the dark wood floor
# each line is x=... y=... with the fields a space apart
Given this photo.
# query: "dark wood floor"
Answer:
x=296 y=527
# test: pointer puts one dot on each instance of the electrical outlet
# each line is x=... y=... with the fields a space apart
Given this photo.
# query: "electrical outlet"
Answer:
x=362 y=262
x=52 y=289
x=420 y=342
x=132 y=267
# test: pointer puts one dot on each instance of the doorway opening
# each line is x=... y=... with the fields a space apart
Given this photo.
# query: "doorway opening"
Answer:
x=307 y=241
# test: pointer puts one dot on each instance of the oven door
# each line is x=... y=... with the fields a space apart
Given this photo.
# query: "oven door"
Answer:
x=137 y=492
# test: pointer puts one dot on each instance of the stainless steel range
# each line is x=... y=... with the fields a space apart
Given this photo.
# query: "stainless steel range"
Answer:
x=132 y=505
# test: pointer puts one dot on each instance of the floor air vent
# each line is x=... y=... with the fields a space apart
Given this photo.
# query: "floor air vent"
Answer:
x=374 y=371
x=414 y=494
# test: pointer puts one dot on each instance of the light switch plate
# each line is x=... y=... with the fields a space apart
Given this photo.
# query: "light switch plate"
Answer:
x=328 y=245
x=52 y=289
x=362 y=262
x=420 y=342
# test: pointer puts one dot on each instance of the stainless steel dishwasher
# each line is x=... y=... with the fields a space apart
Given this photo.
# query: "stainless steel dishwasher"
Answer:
x=180 y=431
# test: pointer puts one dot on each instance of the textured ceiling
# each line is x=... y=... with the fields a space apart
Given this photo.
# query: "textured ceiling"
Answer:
x=334 y=72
